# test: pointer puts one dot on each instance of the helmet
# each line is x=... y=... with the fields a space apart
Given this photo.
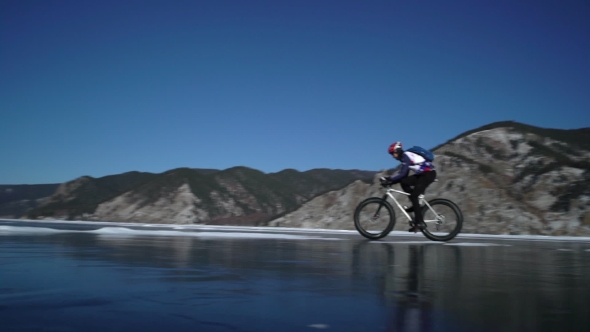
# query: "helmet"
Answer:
x=395 y=147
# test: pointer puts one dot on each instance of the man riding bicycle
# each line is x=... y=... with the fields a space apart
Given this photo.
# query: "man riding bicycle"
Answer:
x=424 y=175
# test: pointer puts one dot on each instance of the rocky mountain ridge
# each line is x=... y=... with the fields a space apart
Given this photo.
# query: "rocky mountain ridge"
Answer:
x=238 y=196
x=16 y=200
x=508 y=178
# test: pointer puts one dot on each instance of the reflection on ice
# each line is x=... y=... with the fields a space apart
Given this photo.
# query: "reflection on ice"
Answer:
x=319 y=326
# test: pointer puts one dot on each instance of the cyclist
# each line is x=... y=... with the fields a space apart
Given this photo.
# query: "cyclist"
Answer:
x=424 y=175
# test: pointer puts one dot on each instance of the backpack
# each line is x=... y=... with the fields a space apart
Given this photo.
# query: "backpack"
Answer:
x=426 y=154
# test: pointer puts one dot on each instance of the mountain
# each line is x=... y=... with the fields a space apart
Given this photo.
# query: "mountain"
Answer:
x=236 y=196
x=85 y=193
x=16 y=200
x=507 y=177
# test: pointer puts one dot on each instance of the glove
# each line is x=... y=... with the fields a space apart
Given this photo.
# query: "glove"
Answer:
x=384 y=181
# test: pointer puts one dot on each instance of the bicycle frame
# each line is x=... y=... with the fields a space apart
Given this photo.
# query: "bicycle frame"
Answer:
x=421 y=200
x=368 y=216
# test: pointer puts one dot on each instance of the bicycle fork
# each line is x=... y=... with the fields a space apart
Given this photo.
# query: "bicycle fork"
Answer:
x=376 y=215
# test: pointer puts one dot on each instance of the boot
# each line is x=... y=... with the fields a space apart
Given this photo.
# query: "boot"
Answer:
x=416 y=227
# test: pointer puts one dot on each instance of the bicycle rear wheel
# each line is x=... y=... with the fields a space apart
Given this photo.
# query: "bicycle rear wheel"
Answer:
x=374 y=218
x=443 y=221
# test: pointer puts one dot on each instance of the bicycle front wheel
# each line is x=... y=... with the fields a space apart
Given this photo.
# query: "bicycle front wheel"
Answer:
x=443 y=220
x=374 y=218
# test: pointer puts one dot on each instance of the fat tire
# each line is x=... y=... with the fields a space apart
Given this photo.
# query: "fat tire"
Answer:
x=458 y=213
x=386 y=205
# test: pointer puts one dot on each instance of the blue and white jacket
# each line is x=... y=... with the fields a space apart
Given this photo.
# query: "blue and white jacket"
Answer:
x=412 y=162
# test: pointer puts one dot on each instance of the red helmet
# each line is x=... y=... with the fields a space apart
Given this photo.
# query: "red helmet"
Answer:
x=395 y=147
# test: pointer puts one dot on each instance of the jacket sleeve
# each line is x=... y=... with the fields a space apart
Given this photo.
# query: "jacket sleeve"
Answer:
x=403 y=172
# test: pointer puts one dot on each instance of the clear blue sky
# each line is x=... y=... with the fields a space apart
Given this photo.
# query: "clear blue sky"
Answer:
x=104 y=87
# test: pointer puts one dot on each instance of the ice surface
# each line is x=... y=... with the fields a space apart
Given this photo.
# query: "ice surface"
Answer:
x=122 y=231
x=9 y=230
x=251 y=235
x=475 y=244
x=406 y=242
x=250 y=231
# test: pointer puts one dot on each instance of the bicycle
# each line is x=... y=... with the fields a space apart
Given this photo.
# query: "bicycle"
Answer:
x=432 y=218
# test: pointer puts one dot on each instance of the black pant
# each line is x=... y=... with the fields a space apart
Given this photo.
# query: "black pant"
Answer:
x=420 y=182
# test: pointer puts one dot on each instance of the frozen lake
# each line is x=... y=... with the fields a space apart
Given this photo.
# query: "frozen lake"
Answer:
x=84 y=276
